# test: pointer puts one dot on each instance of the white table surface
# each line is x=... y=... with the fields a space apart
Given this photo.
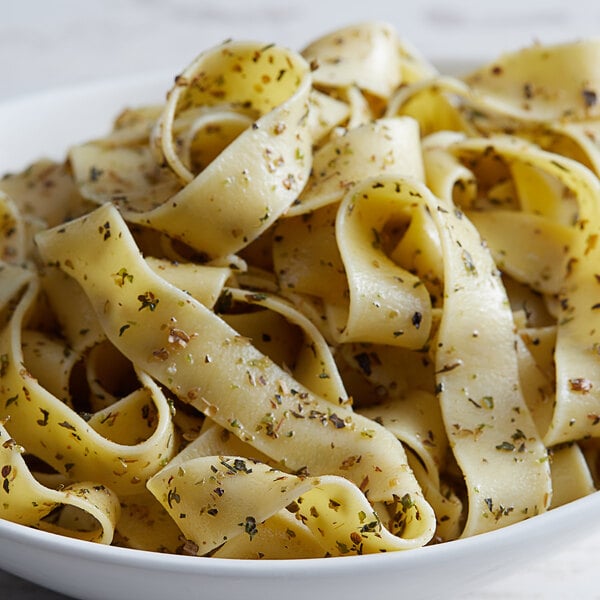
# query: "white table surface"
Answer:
x=50 y=43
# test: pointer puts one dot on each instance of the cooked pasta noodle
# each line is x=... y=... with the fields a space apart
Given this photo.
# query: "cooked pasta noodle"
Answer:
x=317 y=303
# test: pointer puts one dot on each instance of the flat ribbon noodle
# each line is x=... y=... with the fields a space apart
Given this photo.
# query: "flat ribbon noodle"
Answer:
x=388 y=304
x=571 y=477
x=44 y=193
x=383 y=145
x=368 y=55
x=256 y=178
x=487 y=420
x=12 y=232
x=576 y=355
x=61 y=437
x=314 y=364
x=332 y=507
x=280 y=536
x=213 y=368
x=523 y=84
x=24 y=500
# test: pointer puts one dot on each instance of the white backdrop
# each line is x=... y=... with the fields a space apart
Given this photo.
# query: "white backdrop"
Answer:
x=52 y=42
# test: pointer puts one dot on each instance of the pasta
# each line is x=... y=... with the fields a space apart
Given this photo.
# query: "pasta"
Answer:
x=317 y=303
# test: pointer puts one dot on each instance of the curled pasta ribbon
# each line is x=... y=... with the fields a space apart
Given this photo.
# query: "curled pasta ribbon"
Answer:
x=415 y=418
x=491 y=433
x=523 y=84
x=207 y=364
x=313 y=364
x=388 y=304
x=518 y=92
x=61 y=437
x=577 y=140
x=305 y=251
x=12 y=232
x=270 y=161
x=44 y=194
x=51 y=361
x=89 y=511
x=571 y=477
x=121 y=175
x=361 y=65
x=577 y=343
x=369 y=56
x=240 y=494
x=429 y=101
x=385 y=145
x=540 y=230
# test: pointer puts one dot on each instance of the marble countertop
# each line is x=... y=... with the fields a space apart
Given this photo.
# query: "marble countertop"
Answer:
x=64 y=42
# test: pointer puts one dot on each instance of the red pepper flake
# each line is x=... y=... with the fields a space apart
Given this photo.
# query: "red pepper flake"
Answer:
x=580 y=384
x=189 y=548
x=349 y=462
x=356 y=538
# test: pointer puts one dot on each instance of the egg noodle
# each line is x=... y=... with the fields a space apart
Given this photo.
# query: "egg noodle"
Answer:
x=315 y=304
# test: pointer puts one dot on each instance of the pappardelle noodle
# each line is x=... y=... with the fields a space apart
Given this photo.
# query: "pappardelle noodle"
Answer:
x=315 y=304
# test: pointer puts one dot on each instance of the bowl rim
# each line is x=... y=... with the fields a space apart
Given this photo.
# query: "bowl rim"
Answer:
x=568 y=518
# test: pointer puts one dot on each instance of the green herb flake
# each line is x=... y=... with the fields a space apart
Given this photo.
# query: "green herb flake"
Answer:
x=173 y=496
x=122 y=276
x=11 y=400
x=249 y=526
x=488 y=402
x=44 y=420
x=67 y=425
x=148 y=300
x=505 y=447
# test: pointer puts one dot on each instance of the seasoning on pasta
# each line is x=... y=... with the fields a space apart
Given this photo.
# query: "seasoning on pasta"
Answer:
x=317 y=303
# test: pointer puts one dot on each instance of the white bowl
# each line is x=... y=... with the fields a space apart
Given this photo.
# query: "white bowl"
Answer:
x=96 y=572
x=45 y=125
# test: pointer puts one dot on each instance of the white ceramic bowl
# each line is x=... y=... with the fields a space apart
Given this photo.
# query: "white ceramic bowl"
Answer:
x=45 y=125
x=95 y=572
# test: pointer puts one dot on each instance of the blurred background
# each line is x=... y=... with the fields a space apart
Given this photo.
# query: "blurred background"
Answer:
x=51 y=43
x=46 y=44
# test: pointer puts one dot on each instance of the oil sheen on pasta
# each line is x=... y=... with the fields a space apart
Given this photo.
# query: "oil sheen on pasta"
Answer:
x=317 y=303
